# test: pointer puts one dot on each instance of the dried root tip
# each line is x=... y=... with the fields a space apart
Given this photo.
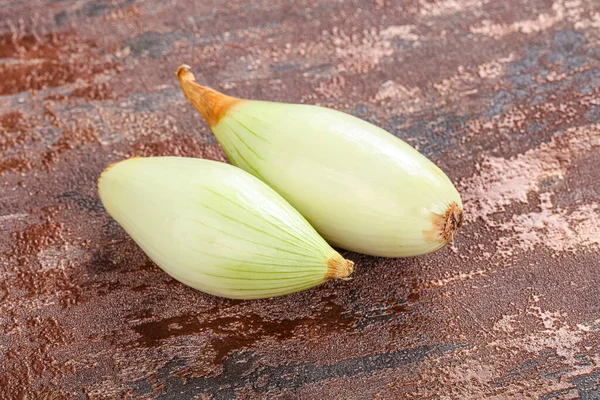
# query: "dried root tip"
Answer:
x=452 y=222
x=445 y=226
x=339 y=268
x=211 y=104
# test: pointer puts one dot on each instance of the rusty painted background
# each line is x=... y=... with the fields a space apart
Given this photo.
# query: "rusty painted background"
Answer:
x=504 y=95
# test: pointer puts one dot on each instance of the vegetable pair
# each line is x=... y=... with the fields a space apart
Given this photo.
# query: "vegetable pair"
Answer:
x=218 y=229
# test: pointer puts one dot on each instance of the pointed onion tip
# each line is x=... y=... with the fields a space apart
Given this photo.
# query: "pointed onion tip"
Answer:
x=183 y=72
x=212 y=104
x=111 y=165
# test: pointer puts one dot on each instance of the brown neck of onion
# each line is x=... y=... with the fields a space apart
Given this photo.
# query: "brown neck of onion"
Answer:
x=213 y=105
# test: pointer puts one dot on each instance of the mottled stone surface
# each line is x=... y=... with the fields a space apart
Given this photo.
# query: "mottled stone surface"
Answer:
x=502 y=94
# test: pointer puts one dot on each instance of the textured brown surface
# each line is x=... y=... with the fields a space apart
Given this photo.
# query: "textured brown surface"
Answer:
x=502 y=94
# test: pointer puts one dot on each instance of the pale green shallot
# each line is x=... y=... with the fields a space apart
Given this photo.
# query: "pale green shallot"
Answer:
x=362 y=188
x=217 y=228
